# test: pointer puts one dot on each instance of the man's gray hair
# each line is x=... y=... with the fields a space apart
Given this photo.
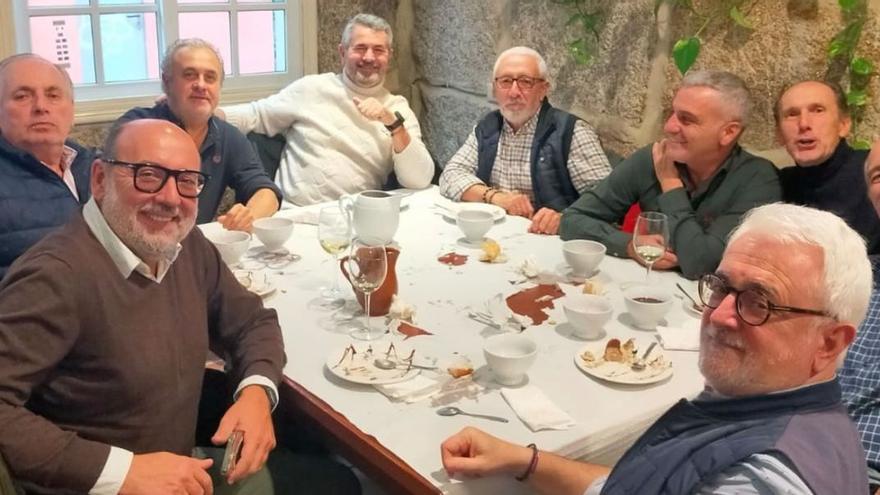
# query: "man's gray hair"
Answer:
x=845 y=285
x=734 y=91
x=371 y=21
x=6 y=62
x=109 y=148
x=523 y=50
x=168 y=59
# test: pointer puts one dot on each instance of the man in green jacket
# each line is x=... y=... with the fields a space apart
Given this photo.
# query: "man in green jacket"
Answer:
x=697 y=175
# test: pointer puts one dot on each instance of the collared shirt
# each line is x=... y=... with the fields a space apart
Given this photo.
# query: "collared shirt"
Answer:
x=68 y=155
x=860 y=375
x=119 y=460
x=587 y=163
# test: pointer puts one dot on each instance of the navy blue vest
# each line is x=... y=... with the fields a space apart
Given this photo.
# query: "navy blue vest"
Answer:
x=34 y=200
x=695 y=440
x=551 y=182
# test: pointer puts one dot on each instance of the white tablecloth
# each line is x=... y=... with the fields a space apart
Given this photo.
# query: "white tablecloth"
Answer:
x=609 y=417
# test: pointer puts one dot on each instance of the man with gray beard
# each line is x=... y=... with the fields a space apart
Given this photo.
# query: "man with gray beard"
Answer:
x=781 y=309
x=104 y=330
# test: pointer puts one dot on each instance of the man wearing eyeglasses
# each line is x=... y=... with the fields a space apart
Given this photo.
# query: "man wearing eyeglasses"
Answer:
x=781 y=310
x=527 y=157
x=860 y=374
x=104 y=329
x=44 y=176
x=697 y=175
x=345 y=133
x=192 y=76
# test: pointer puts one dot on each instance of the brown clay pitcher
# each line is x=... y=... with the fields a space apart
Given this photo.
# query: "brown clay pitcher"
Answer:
x=380 y=300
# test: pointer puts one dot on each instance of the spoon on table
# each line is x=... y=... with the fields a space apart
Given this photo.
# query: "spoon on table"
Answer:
x=388 y=364
x=698 y=306
x=454 y=411
x=639 y=364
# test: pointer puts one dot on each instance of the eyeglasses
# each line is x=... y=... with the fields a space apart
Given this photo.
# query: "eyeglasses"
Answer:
x=150 y=178
x=524 y=83
x=752 y=306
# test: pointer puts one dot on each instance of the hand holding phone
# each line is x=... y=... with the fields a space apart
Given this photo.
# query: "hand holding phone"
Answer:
x=232 y=453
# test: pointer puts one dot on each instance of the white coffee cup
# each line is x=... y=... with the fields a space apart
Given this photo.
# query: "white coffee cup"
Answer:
x=647 y=305
x=232 y=244
x=510 y=355
x=583 y=256
x=273 y=232
x=474 y=224
x=587 y=314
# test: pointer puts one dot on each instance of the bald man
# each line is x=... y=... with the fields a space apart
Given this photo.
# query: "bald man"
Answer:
x=44 y=176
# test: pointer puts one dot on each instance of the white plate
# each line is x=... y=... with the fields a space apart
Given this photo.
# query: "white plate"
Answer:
x=255 y=282
x=450 y=209
x=622 y=373
x=360 y=368
x=690 y=309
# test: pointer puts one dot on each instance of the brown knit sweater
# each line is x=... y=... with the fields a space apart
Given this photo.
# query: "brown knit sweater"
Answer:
x=89 y=359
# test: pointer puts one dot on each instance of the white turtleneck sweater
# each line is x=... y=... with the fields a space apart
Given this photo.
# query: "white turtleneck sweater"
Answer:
x=331 y=148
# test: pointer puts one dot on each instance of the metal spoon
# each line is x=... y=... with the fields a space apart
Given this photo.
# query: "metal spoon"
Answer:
x=639 y=364
x=453 y=411
x=697 y=305
x=388 y=364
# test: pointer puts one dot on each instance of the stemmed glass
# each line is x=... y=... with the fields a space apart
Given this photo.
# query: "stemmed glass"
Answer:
x=367 y=264
x=334 y=234
x=650 y=238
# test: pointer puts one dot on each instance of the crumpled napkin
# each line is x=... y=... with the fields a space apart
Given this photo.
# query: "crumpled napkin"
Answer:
x=502 y=316
x=401 y=310
x=536 y=410
x=683 y=338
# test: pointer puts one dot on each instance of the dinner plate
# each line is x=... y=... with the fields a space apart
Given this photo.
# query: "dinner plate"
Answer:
x=358 y=367
x=450 y=209
x=659 y=367
x=690 y=309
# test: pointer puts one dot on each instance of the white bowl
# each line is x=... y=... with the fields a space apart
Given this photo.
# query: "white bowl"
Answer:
x=587 y=314
x=510 y=356
x=583 y=256
x=474 y=223
x=232 y=244
x=273 y=232
x=647 y=305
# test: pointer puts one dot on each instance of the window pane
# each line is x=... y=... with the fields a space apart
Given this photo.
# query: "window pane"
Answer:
x=210 y=26
x=202 y=1
x=261 y=1
x=56 y=3
x=261 y=43
x=66 y=41
x=130 y=47
x=127 y=2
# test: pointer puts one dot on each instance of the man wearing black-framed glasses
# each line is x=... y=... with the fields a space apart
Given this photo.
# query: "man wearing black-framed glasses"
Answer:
x=104 y=329
x=527 y=157
x=783 y=305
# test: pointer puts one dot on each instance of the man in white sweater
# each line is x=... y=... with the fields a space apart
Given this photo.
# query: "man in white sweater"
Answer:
x=345 y=132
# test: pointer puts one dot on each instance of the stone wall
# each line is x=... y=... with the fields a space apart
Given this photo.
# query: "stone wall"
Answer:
x=445 y=49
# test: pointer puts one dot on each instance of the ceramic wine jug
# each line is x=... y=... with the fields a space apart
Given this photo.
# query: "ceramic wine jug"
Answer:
x=380 y=300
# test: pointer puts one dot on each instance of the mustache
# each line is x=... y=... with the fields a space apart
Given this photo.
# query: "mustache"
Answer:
x=725 y=337
x=160 y=209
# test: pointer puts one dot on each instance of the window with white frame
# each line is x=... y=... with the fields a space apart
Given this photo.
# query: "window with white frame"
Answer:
x=113 y=48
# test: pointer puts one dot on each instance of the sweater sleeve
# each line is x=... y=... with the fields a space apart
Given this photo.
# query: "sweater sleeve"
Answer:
x=270 y=116
x=247 y=332
x=38 y=327
x=699 y=248
x=413 y=166
x=592 y=216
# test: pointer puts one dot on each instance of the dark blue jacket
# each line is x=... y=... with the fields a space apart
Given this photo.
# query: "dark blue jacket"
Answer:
x=34 y=200
x=227 y=157
x=551 y=181
x=807 y=428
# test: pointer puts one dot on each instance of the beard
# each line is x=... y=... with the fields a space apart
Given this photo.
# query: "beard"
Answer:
x=369 y=79
x=146 y=245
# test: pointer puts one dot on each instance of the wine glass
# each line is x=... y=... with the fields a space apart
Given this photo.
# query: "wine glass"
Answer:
x=650 y=238
x=367 y=265
x=334 y=234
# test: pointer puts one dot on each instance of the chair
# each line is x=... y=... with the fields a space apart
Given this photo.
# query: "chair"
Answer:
x=268 y=150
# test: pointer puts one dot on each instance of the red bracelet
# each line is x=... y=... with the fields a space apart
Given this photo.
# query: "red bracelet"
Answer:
x=533 y=464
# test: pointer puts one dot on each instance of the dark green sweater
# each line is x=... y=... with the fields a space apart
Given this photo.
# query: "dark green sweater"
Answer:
x=699 y=221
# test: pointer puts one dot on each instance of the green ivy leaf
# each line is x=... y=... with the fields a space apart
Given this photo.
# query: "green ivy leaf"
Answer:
x=685 y=53
x=835 y=48
x=739 y=18
x=580 y=51
x=847 y=5
x=861 y=144
x=861 y=66
x=856 y=98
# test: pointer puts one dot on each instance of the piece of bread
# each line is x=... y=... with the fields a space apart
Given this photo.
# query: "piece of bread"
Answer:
x=613 y=352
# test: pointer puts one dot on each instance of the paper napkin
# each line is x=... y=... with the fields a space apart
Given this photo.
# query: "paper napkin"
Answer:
x=683 y=338
x=418 y=388
x=536 y=410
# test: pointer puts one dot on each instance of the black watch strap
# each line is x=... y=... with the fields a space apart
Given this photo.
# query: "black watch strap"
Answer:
x=397 y=123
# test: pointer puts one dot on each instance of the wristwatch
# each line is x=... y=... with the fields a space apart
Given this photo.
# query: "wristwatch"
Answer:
x=397 y=123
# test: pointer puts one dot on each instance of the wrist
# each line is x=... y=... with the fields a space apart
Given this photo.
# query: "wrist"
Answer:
x=527 y=462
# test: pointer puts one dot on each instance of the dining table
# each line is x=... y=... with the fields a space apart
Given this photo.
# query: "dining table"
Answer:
x=396 y=439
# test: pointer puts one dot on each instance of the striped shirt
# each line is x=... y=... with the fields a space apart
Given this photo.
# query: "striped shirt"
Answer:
x=587 y=163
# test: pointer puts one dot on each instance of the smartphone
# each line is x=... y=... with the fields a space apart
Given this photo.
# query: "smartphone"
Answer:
x=233 y=451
